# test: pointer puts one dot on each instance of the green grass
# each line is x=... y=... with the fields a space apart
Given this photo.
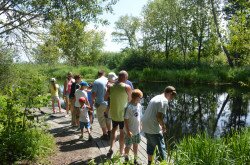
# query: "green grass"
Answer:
x=202 y=149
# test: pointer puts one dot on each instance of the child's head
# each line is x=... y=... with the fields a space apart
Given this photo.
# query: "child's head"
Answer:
x=136 y=95
x=83 y=85
x=82 y=101
x=52 y=80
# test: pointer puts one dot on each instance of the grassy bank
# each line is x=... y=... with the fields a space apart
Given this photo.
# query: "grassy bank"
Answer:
x=196 y=75
x=201 y=149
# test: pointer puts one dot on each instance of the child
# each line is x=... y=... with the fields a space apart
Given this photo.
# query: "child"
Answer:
x=132 y=124
x=81 y=92
x=84 y=117
x=54 y=94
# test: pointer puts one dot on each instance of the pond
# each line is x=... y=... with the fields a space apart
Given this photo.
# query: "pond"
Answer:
x=214 y=110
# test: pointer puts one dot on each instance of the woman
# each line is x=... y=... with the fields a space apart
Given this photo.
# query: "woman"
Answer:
x=54 y=94
x=67 y=88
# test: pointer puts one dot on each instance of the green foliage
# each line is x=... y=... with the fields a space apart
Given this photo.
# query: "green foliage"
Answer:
x=78 y=45
x=87 y=73
x=214 y=75
x=134 y=60
x=22 y=138
x=202 y=149
x=29 y=144
x=126 y=30
x=111 y=60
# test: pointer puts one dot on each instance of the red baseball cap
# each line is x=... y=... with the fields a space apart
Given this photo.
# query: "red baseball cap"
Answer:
x=82 y=99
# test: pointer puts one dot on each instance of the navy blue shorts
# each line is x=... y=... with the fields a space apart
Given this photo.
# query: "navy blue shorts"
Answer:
x=84 y=125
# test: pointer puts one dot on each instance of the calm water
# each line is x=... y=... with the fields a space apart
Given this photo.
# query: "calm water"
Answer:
x=215 y=110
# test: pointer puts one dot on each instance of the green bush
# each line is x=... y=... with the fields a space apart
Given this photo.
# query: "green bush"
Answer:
x=25 y=144
x=22 y=138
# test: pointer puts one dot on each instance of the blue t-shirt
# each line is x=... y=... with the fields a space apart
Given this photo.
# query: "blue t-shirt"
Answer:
x=130 y=84
x=99 y=87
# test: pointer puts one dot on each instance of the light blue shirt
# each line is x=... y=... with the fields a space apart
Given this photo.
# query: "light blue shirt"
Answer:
x=99 y=87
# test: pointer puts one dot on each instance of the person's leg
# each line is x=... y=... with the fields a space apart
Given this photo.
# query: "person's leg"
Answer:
x=81 y=128
x=53 y=104
x=73 y=116
x=136 y=139
x=121 y=140
x=88 y=130
x=128 y=143
x=59 y=104
x=161 y=147
x=135 y=150
x=102 y=120
x=77 y=115
x=113 y=137
x=151 y=144
x=67 y=104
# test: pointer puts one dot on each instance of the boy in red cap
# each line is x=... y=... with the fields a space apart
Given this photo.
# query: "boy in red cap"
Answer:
x=84 y=117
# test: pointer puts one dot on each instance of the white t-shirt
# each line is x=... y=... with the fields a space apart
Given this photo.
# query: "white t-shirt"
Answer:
x=150 y=124
x=133 y=114
x=84 y=116
x=80 y=93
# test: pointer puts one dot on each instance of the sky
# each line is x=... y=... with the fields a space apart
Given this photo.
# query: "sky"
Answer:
x=121 y=8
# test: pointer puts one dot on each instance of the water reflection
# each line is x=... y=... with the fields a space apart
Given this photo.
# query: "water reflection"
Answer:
x=215 y=110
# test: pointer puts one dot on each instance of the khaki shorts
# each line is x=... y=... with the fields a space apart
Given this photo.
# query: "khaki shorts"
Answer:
x=103 y=121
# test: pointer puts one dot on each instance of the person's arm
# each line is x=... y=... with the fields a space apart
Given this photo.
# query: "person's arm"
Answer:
x=127 y=128
x=65 y=87
x=107 y=94
x=129 y=92
x=159 y=117
x=93 y=98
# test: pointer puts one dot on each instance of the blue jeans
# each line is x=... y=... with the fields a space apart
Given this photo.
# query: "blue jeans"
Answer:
x=154 y=140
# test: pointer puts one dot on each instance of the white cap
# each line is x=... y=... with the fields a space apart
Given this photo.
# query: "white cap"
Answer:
x=52 y=79
x=112 y=76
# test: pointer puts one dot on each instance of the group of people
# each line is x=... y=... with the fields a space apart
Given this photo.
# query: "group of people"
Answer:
x=118 y=105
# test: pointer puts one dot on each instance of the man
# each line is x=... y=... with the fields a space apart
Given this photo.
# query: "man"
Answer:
x=98 y=93
x=120 y=95
x=153 y=125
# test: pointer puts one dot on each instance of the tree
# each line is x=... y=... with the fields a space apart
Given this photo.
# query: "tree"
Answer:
x=22 y=15
x=48 y=52
x=218 y=31
x=78 y=46
x=126 y=30
x=22 y=20
x=6 y=61
x=239 y=33
x=159 y=25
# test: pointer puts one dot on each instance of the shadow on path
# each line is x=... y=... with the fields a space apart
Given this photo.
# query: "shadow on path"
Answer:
x=98 y=160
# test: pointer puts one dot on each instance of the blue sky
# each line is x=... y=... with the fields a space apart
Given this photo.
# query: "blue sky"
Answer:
x=122 y=7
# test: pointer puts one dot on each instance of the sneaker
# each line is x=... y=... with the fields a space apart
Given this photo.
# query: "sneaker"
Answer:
x=110 y=153
x=136 y=162
x=126 y=159
x=90 y=138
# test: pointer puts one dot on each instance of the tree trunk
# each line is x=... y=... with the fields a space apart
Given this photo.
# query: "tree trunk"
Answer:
x=229 y=60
